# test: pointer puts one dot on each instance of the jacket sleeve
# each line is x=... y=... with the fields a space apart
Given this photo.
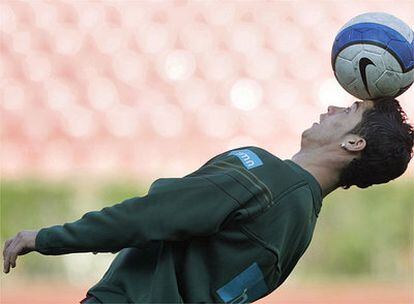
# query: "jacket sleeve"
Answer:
x=174 y=209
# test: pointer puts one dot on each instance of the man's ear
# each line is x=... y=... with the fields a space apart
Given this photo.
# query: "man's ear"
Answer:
x=354 y=144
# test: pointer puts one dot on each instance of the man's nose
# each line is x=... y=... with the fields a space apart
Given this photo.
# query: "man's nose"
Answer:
x=332 y=109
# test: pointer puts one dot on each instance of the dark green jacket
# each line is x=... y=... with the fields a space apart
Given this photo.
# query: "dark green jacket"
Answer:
x=232 y=231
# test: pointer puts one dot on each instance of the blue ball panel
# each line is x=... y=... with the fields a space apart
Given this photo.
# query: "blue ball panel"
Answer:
x=377 y=34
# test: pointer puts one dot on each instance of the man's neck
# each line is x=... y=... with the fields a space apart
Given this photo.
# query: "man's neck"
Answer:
x=323 y=167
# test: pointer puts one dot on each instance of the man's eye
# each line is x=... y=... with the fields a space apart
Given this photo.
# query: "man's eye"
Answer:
x=347 y=110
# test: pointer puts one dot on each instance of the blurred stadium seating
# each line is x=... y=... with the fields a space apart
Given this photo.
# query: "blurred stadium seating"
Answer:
x=155 y=88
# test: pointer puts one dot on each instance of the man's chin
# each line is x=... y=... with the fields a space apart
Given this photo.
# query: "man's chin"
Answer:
x=306 y=133
x=313 y=127
x=311 y=134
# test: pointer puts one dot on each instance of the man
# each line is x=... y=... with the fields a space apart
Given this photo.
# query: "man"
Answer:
x=233 y=230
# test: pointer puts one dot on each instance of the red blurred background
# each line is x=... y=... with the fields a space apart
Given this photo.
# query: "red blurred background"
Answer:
x=147 y=89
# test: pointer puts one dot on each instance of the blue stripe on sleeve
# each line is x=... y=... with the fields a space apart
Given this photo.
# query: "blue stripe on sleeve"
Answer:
x=249 y=285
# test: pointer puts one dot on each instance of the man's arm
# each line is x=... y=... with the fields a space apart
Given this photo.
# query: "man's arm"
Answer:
x=177 y=210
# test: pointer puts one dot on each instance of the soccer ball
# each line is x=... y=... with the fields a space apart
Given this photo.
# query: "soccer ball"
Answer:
x=373 y=56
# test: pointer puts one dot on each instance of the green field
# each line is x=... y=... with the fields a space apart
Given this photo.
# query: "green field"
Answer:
x=361 y=233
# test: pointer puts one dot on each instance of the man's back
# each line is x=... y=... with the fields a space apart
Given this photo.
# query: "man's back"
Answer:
x=252 y=250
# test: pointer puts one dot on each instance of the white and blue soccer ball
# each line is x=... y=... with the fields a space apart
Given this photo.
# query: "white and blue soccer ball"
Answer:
x=373 y=56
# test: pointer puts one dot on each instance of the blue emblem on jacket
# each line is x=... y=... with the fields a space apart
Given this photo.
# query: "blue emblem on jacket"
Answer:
x=248 y=158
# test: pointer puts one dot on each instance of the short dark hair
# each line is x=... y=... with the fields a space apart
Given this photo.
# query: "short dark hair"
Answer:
x=388 y=150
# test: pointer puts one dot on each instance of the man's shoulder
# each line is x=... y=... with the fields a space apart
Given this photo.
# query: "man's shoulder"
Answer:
x=251 y=148
x=250 y=152
x=258 y=163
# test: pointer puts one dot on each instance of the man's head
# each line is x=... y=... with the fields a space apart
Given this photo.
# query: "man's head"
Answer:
x=375 y=137
x=389 y=144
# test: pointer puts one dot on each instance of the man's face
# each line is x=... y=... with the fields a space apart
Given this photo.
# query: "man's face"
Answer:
x=336 y=123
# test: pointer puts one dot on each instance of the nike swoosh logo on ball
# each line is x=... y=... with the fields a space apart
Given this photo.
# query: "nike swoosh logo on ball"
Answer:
x=363 y=63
